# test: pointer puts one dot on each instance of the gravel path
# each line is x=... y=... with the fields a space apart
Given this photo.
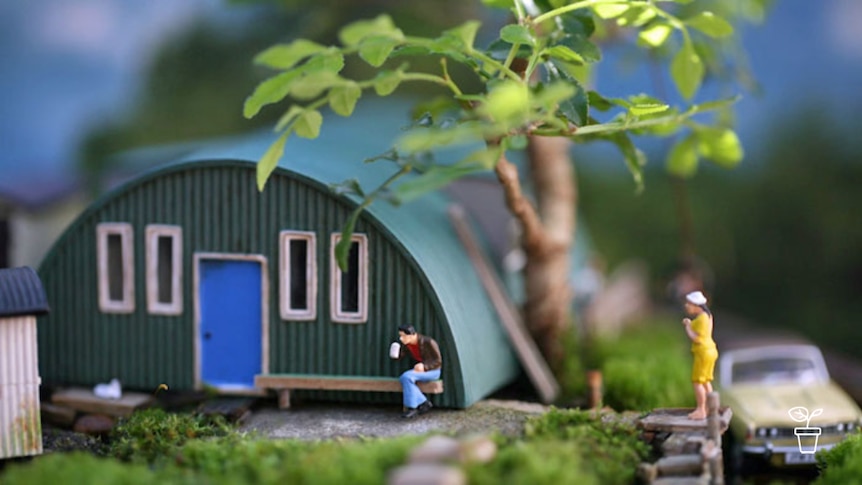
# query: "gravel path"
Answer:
x=324 y=421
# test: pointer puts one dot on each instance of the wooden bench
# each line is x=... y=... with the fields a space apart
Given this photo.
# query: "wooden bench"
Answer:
x=284 y=383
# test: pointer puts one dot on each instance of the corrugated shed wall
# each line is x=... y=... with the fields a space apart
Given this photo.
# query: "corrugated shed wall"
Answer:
x=220 y=210
x=20 y=425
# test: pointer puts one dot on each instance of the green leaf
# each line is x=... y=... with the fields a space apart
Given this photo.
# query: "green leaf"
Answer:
x=634 y=158
x=582 y=46
x=686 y=69
x=386 y=82
x=343 y=97
x=465 y=32
x=508 y=103
x=565 y=54
x=308 y=123
x=423 y=139
x=611 y=10
x=599 y=102
x=288 y=116
x=269 y=91
x=437 y=177
x=576 y=107
x=342 y=248
x=682 y=158
x=517 y=34
x=376 y=49
x=505 y=4
x=710 y=24
x=270 y=160
x=655 y=35
x=637 y=16
x=647 y=109
x=352 y=34
x=331 y=60
x=285 y=56
x=312 y=85
x=720 y=145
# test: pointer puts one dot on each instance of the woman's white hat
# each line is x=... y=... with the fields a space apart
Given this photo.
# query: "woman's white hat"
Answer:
x=696 y=298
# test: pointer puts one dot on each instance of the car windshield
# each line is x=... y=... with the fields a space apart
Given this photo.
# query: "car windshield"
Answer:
x=775 y=371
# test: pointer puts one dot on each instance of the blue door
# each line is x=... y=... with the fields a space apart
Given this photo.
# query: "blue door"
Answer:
x=230 y=326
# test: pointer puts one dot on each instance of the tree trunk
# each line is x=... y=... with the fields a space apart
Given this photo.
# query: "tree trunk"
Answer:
x=547 y=238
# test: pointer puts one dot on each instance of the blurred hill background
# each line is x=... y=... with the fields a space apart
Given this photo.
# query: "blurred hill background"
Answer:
x=781 y=235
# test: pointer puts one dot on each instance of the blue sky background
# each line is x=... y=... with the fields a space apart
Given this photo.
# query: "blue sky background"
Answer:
x=67 y=64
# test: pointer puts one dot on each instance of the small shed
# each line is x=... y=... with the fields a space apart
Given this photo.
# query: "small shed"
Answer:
x=22 y=298
x=188 y=276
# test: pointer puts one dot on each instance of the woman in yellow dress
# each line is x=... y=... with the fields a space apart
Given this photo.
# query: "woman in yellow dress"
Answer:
x=703 y=349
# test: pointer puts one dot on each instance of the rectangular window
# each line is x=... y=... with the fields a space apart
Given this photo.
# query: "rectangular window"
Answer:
x=349 y=289
x=116 y=267
x=298 y=275
x=164 y=269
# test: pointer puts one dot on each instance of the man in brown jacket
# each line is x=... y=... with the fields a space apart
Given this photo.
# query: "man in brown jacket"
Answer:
x=425 y=351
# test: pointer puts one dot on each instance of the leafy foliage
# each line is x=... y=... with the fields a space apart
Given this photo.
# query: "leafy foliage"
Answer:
x=609 y=448
x=153 y=433
x=531 y=87
x=646 y=367
x=841 y=464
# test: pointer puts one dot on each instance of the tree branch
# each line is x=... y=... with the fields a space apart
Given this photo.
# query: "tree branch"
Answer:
x=521 y=208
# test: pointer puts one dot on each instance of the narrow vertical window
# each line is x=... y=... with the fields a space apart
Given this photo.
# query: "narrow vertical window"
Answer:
x=349 y=289
x=298 y=275
x=164 y=269
x=116 y=267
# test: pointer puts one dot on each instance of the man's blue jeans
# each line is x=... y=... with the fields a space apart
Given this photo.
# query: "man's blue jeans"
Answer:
x=413 y=397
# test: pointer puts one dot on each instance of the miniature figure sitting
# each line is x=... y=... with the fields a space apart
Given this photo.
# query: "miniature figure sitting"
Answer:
x=425 y=351
x=703 y=349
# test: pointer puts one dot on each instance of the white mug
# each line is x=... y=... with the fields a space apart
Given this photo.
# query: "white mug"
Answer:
x=395 y=350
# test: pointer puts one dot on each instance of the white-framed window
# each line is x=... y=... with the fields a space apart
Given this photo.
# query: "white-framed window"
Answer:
x=298 y=275
x=164 y=269
x=116 y=267
x=348 y=296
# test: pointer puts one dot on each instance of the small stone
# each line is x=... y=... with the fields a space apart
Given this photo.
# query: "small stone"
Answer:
x=427 y=474
x=436 y=449
x=58 y=415
x=94 y=424
x=480 y=449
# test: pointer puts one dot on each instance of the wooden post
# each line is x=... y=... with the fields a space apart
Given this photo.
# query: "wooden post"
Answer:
x=284 y=398
x=714 y=458
x=713 y=422
x=594 y=382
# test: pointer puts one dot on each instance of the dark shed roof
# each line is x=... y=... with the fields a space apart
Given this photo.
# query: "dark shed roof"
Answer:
x=21 y=293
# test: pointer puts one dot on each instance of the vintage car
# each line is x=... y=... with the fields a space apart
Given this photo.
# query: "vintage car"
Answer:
x=785 y=406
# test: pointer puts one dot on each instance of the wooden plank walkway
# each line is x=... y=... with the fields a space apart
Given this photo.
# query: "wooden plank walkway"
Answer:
x=690 y=450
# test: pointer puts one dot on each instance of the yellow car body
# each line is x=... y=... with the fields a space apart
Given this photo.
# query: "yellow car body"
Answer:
x=785 y=406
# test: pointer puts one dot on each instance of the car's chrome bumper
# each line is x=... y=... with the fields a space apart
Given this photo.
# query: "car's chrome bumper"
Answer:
x=768 y=449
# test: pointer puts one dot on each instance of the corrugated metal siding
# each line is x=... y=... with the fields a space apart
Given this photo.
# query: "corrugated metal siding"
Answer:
x=21 y=293
x=220 y=210
x=20 y=425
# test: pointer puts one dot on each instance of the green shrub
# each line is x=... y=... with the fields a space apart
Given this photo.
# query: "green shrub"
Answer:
x=234 y=459
x=647 y=367
x=153 y=433
x=841 y=465
x=546 y=462
x=609 y=448
x=79 y=467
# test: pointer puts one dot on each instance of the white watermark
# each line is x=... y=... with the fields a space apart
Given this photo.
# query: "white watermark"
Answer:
x=805 y=434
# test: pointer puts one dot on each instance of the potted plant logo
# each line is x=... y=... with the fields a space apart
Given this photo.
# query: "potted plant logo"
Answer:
x=804 y=435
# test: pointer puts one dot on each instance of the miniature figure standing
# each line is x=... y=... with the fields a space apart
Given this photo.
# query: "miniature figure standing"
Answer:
x=703 y=349
x=425 y=351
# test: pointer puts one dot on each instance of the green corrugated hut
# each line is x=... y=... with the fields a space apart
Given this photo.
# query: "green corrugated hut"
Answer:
x=189 y=276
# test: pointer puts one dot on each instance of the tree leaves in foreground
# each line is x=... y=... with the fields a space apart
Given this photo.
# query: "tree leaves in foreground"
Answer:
x=530 y=74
